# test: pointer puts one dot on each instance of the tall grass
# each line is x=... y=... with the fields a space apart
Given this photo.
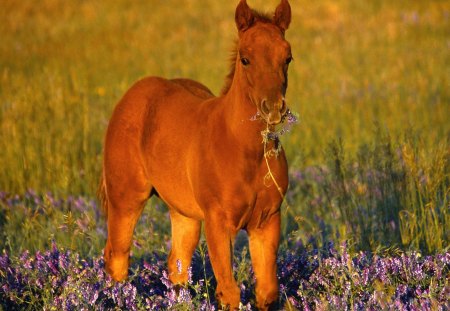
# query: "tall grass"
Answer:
x=64 y=65
x=388 y=195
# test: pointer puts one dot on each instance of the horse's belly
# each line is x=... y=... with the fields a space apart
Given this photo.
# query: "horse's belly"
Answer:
x=184 y=205
x=174 y=190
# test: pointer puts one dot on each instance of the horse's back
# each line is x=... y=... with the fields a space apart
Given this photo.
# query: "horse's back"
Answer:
x=194 y=87
x=146 y=96
x=159 y=88
x=154 y=105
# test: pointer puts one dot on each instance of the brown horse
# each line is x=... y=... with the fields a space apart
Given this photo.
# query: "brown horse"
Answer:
x=205 y=157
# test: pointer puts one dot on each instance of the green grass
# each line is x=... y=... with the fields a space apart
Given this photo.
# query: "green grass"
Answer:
x=362 y=70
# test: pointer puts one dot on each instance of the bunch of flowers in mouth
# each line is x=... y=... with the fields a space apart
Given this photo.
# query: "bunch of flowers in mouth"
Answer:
x=287 y=121
x=274 y=135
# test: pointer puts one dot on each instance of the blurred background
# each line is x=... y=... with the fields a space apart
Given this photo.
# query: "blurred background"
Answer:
x=369 y=159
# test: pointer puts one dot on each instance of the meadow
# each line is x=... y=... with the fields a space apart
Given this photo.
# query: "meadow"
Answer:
x=366 y=221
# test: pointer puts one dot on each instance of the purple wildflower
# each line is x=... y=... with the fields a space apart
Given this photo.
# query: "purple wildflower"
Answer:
x=179 y=266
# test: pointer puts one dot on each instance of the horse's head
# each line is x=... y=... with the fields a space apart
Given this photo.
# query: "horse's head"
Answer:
x=263 y=58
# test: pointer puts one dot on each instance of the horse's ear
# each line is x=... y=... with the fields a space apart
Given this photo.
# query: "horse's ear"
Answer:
x=282 y=16
x=244 y=16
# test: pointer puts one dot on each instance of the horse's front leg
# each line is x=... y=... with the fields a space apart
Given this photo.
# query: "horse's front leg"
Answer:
x=263 y=242
x=220 y=237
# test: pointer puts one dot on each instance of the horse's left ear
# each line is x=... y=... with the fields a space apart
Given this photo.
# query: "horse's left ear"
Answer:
x=244 y=16
x=282 y=16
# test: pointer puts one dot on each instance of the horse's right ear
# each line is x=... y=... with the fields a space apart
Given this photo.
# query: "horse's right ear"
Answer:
x=244 y=16
x=282 y=16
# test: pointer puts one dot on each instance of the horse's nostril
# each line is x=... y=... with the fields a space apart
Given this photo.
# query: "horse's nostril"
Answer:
x=265 y=107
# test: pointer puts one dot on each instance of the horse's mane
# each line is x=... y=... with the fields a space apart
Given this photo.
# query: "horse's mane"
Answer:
x=259 y=17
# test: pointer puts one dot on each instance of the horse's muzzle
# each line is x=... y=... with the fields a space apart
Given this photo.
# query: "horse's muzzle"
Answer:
x=273 y=112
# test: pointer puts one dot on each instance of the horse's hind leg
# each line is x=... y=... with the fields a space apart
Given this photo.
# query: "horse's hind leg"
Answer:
x=185 y=236
x=123 y=212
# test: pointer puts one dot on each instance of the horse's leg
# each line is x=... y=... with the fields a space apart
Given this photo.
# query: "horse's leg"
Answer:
x=123 y=212
x=220 y=238
x=185 y=236
x=263 y=244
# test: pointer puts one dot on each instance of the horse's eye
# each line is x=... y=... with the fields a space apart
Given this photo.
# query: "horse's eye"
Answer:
x=245 y=61
x=288 y=60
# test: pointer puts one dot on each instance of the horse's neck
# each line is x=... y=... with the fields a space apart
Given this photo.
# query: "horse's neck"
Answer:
x=245 y=127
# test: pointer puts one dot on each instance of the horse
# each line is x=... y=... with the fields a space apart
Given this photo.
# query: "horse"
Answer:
x=208 y=158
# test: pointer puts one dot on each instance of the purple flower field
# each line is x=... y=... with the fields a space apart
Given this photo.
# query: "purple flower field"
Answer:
x=329 y=279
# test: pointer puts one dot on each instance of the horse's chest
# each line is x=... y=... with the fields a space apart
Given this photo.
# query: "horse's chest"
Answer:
x=262 y=194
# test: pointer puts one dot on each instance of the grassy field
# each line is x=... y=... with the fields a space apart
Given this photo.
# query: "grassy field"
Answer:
x=369 y=159
x=65 y=65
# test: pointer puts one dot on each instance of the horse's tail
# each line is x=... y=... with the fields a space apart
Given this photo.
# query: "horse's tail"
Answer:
x=102 y=196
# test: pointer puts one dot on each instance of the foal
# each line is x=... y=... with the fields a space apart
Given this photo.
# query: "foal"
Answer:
x=205 y=157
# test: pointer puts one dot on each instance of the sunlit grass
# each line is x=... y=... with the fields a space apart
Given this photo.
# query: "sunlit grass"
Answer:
x=64 y=66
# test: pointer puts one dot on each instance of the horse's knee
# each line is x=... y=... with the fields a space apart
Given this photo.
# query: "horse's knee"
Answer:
x=228 y=297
